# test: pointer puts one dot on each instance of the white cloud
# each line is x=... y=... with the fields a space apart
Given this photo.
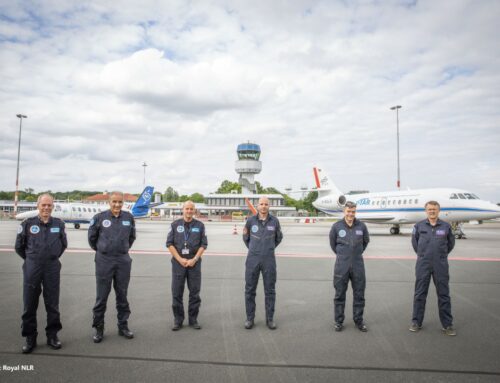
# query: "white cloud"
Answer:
x=179 y=85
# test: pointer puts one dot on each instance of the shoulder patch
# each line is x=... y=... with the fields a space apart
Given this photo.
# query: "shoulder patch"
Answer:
x=19 y=229
x=92 y=221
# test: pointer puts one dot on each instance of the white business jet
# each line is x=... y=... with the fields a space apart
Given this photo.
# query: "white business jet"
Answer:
x=404 y=206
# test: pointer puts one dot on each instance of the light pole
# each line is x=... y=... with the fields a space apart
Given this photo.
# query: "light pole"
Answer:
x=397 y=107
x=16 y=195
x=144 y=180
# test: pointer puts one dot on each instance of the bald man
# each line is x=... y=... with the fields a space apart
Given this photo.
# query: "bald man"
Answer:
x=111 y=234
x=261 y=235
x=40 y=241
x=186 y=241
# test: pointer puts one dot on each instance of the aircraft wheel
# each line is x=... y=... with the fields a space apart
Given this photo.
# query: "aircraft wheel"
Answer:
x=77 y=225
x=458 y=236
x=394 y=230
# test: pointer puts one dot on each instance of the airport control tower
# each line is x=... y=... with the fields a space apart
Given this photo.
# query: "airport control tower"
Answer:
x=247 y=166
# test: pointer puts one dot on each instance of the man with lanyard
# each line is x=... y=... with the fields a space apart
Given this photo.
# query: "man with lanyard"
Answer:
x=40 y=241
x=261 y=235
x=348 y=239
x=432 y=240
x=111 y=234
x=186 y=241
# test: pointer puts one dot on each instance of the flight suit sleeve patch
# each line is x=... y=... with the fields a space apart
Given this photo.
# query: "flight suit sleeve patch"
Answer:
x=19 y=229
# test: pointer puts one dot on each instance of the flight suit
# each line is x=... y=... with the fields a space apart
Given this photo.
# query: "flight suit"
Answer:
x=111 y=237
x=193 y=235
x=432 y=245
x=261 y=238
x=349 y=243
x=40 y=245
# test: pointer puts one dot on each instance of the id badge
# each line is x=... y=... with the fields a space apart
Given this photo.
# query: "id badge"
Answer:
x=185 y=251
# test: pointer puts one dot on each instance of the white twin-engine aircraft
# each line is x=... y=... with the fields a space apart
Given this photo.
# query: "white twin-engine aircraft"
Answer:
x=404 y=206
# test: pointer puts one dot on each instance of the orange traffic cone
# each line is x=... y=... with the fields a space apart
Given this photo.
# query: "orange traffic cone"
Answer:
x=235 y=230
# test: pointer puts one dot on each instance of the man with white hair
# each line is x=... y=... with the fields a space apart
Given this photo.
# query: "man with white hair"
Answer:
x=40 y=241
x=111 y=234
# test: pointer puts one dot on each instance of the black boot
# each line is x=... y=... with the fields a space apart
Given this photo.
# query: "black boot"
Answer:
x=30 y=344
x=98 y=333
x=53 y=342
x=124 y=331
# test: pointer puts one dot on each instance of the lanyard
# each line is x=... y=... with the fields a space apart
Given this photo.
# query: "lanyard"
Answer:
x=186 y=233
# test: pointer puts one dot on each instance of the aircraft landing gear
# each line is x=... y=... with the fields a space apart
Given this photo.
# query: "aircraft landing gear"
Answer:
x=395 y=230
x=77 y=225
x=457 y=230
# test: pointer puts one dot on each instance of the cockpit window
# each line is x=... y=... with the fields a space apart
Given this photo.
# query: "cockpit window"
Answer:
x=453 y=196
x=461 y=196
x=57 y=208
x=475 y=196
x=469 y=195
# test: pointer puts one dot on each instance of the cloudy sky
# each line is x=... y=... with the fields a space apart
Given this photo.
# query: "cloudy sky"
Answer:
x=107 y=85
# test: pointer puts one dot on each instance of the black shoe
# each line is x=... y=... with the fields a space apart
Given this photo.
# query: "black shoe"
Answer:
x=176 y=326
x=124 y=331
x=98 y=334
x=53 y=342
x=338 y=326
x=271 y=324
x=195 y=325
x=30 y=344
x=362 y=327
x=249 y=324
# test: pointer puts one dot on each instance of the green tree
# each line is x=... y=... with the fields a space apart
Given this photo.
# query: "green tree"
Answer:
x=197 y=197
x=227 y=187
x=170 y=195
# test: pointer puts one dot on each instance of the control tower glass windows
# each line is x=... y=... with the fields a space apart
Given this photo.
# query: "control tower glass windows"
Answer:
x=248 y=152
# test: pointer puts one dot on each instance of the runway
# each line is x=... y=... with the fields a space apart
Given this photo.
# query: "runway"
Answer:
x=304 y=348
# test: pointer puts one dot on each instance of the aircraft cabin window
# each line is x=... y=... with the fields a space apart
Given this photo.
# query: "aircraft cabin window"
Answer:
x=84 y=209
x=416 y=201
x=79 y=209
x=410 y=201
x=399 y=202
x=404 y=202
x=461 y=196
x=453 y=196
x=378 y=203
x=388 y=202
x=73 y=208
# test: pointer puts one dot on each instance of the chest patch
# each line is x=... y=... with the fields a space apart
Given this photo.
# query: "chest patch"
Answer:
x=55 y=230
x=255 y=228
x=35 y=229
x=359 y=232
x=342 y=233
x=106 y=223
x=271 y=228
x=180 y=229
x=440 y=233
x=126 y=223
x=195 y=229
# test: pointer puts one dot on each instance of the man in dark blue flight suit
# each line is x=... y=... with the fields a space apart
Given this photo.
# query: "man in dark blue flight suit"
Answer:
x=261 y=235
x=40 y=241
x=186 y=241
x=111 y=234
x=348 y=240
x=432 y=240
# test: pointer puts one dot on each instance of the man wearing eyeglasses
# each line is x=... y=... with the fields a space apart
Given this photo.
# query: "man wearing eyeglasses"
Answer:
x=41 y=241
